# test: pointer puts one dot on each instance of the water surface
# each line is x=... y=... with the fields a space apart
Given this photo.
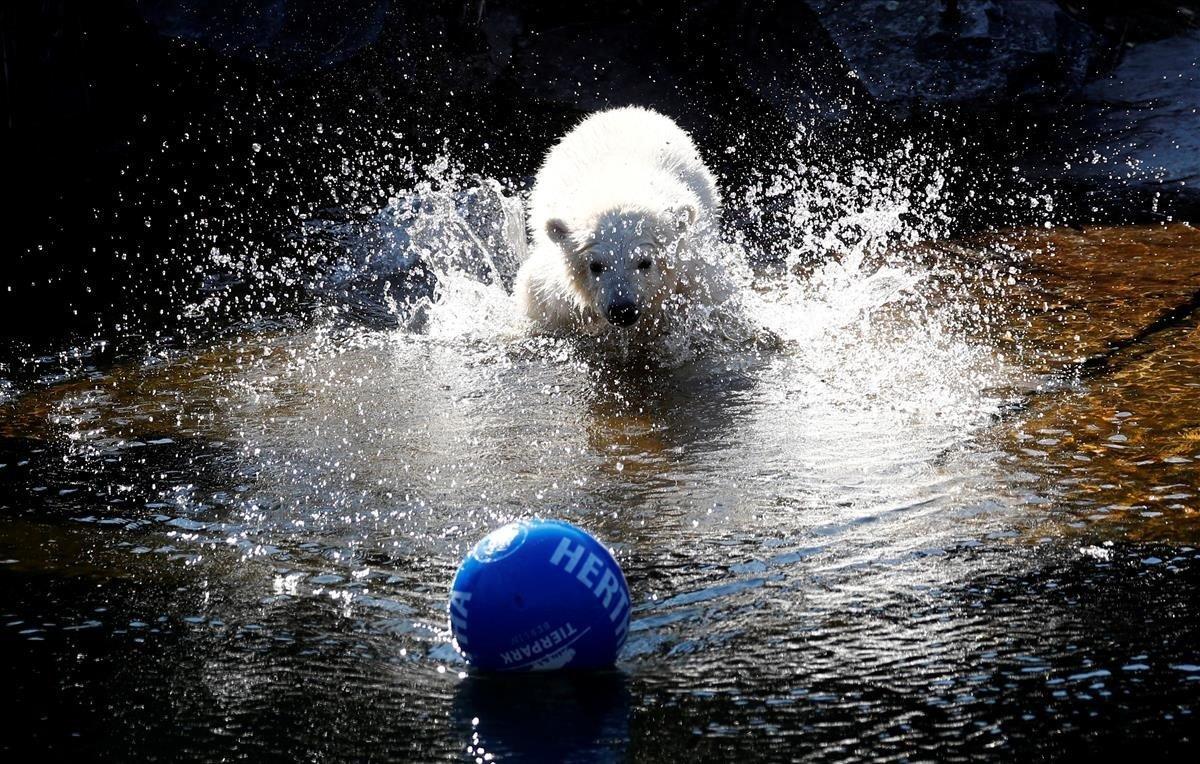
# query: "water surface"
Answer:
x=939 y=501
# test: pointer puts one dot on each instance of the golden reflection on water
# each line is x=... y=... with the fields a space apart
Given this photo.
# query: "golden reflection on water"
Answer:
x=1079 y=292
x=1118 y=450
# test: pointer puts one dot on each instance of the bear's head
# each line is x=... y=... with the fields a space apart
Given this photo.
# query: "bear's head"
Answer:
x=625 y=263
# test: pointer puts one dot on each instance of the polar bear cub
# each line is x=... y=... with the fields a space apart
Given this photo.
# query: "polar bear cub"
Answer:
x=616 y=214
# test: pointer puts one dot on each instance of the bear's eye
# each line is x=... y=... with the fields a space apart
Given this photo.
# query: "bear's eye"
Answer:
x=596 y=267
x=644 y=264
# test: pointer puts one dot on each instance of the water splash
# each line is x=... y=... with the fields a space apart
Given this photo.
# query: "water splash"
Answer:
x=829 y=405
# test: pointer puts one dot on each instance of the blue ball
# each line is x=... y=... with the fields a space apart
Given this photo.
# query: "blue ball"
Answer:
x=537 y=595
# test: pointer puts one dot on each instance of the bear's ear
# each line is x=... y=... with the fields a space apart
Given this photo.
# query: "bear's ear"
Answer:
x=557 y=230
x=684 y=217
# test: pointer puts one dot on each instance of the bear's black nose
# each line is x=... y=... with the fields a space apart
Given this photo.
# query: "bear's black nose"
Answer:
x=623 y=313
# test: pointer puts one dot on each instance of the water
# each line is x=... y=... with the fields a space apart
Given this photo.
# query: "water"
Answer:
x=913 y=498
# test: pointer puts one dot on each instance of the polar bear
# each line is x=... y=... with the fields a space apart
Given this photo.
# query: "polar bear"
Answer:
x=617 y=212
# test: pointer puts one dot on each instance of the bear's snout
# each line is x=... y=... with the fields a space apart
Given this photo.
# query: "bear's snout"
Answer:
x=623 y=313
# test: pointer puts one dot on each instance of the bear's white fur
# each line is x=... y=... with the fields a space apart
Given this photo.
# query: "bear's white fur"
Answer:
x=616 y=215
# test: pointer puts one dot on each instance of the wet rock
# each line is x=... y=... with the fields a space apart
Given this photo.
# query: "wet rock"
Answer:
x=1146 y=115
x=936 y=51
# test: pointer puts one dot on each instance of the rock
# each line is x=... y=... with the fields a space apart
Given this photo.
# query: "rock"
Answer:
x=959 y=52
x=295 y=35
x=1146 y=116
x=770 y=56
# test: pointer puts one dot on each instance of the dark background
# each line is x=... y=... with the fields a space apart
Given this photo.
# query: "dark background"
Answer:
x=129 y=128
